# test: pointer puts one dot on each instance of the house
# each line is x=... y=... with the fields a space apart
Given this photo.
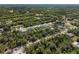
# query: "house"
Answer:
x=11 y=11
x=70 y=35
x=22 y=29
x=9 y=22
x=1 y=29
x=19 y=28
x=75 y=44
x=38 y=14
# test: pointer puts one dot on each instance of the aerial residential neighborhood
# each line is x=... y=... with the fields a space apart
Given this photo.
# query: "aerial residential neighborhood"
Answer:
x=39 y=29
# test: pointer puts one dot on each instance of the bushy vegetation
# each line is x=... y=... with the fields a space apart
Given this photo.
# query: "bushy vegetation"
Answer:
x=20 y=26
x=57 y=45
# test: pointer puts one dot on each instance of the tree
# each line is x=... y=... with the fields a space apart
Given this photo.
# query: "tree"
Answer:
x=2 y=48
x=12 y=43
